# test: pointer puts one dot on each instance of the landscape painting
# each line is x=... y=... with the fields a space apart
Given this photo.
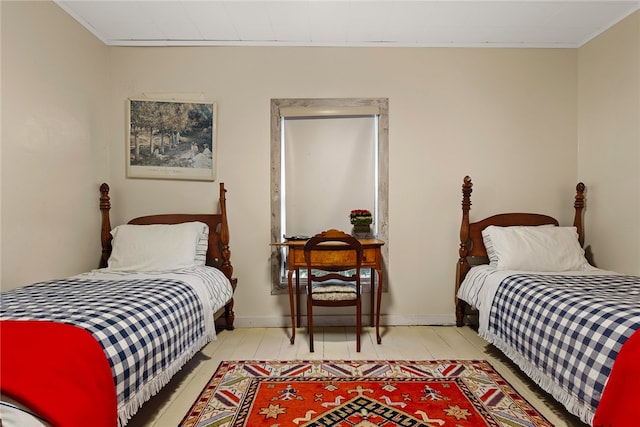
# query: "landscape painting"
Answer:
x=171 y=139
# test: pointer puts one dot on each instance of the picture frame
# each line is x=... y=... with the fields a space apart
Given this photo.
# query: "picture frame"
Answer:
x=171 y=139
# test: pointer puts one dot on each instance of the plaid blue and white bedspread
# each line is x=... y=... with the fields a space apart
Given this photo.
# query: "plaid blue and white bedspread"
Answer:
x=148 y=327
x=570 y=328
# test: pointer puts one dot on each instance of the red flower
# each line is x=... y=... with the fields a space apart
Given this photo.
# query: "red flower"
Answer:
x=360 y=212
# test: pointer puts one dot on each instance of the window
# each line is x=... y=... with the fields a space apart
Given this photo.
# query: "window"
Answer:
x=351 y=135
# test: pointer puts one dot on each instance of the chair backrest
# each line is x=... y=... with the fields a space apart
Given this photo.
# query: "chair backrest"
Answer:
x=346 y=255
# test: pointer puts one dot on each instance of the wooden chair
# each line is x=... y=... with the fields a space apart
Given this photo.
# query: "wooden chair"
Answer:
x=331 y=280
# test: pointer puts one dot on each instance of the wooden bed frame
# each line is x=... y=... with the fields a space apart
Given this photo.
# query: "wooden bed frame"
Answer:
x=218 y=253
x=472 y=250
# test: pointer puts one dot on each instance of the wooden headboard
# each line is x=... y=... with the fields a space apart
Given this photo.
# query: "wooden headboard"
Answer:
x=218 y=253
x=472 y=245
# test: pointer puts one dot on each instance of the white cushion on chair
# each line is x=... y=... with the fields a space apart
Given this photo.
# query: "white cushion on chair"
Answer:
x=334 y=290
x=334 y=296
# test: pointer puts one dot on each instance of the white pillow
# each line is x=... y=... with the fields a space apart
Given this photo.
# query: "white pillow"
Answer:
x=202 y=245
x=488 y=243
x=534 y=248
x=156 y=247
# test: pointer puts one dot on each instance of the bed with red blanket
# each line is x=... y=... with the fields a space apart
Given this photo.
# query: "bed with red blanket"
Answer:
x=569 y=326
x=92 y=348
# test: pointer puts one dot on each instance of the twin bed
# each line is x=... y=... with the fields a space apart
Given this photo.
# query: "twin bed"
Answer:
x=569 y=326
x=92 y=348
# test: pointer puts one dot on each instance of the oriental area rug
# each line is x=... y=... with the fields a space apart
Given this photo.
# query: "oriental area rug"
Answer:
x=434 y=393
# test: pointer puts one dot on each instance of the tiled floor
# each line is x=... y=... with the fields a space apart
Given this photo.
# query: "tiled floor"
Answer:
x=399 y=343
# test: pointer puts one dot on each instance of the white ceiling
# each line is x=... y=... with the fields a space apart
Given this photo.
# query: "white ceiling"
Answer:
x=449 y=23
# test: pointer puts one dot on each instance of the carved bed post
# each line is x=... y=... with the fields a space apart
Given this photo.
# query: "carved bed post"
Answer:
x=579 y=205
x=105 y=233
x=226 y=267
x=463 y=265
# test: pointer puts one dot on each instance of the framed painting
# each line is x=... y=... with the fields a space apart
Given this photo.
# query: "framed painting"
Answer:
x=171 y=139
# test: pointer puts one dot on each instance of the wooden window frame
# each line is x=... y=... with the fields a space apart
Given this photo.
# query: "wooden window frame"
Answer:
x=325 y=107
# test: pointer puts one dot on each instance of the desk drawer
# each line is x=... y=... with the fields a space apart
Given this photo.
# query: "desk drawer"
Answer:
x=329 y=258
x=370 y=257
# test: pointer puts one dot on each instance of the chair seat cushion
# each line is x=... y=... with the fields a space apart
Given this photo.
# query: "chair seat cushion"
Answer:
x=334 y=290
x=334 y=296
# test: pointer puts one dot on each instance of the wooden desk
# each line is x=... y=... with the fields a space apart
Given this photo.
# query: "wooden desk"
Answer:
x=371 y=258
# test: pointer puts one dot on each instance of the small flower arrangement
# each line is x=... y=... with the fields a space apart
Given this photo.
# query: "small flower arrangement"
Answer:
x=360 y=217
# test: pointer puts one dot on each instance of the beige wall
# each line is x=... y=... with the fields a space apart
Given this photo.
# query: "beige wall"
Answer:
x=609 y=144
x=54 y=143
x=506 y=117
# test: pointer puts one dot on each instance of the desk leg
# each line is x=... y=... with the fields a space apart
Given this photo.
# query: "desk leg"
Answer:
x=292 y=307
x=373 y=294
x=298 y=295
x=379 y=274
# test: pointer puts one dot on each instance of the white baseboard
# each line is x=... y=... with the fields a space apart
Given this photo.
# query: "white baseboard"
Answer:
x=329 y=320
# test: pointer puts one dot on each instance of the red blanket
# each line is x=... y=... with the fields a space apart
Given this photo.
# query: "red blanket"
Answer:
x=620 y=402
x=58 y=371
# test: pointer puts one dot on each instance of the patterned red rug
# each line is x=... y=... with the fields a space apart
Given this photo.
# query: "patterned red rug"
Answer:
x=436 y=393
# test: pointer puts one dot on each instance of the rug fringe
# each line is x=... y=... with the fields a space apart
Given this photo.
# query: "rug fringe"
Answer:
x=570 y=402
x=127 y=409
